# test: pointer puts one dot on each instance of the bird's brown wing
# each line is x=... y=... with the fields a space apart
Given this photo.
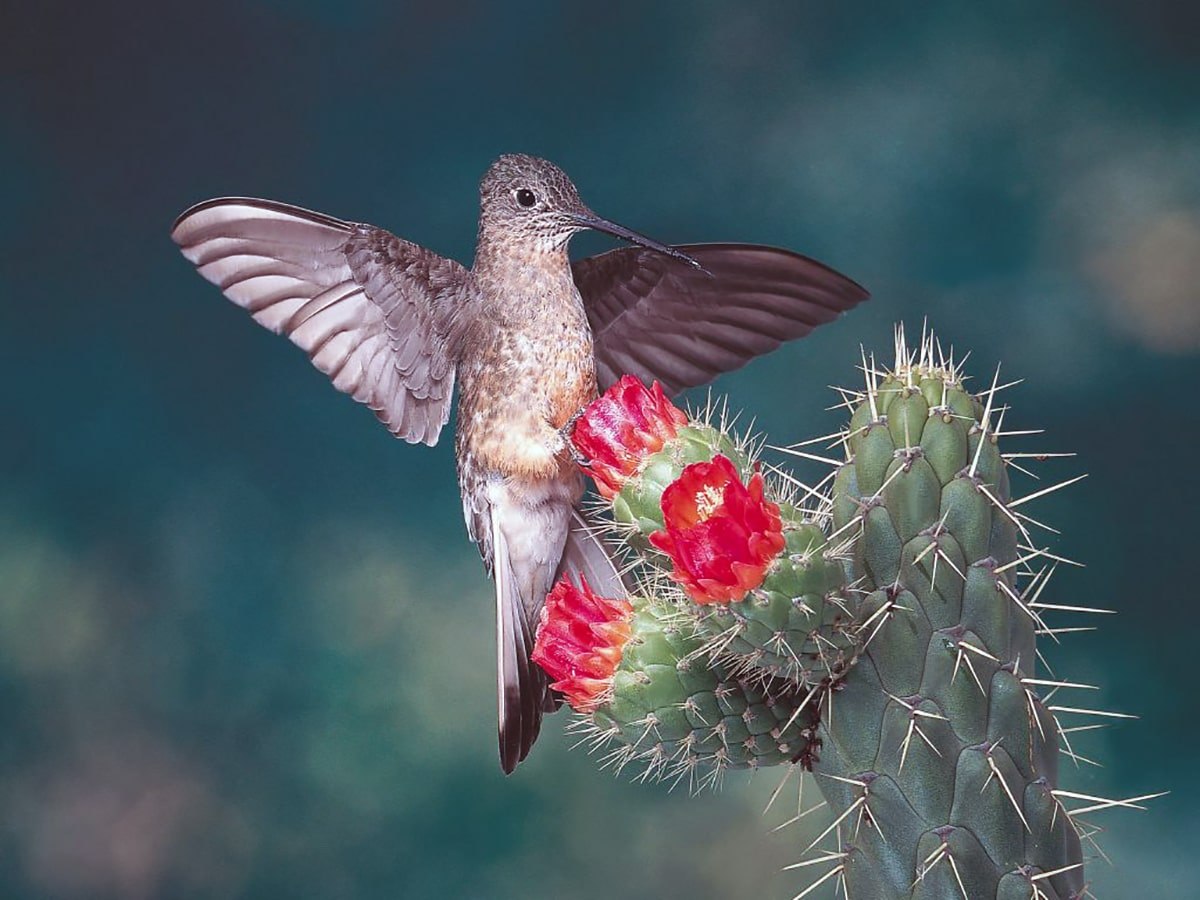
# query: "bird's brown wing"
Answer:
x=380 y=316
x=658 y=318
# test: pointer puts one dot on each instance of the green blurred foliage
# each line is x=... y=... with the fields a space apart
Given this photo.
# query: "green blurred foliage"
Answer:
x=245 y=647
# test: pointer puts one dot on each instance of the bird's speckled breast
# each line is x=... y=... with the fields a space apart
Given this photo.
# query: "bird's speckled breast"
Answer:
x=533 y=369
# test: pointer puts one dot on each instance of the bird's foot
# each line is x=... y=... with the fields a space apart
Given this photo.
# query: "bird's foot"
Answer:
x=566 y=432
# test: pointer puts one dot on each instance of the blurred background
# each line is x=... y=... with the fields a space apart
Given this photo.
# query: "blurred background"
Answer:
x=245 y=645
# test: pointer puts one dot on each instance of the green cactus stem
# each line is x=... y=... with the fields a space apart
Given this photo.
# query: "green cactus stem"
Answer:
x=638 y=504
x=798 y=625
x=939 y=755
x=677 y=717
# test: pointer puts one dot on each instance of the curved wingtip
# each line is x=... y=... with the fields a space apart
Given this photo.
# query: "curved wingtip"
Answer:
x=226 y=208
x=804 y=268
x=180 y=227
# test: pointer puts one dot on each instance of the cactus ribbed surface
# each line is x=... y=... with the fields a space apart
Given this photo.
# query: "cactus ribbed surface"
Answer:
x=938 y=755
x=678 y=717
x=797 y=624
x=637 y=505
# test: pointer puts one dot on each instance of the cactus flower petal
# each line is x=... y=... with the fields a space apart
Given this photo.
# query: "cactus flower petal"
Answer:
x=580 y=640
x=720 y=534
x=619 y=429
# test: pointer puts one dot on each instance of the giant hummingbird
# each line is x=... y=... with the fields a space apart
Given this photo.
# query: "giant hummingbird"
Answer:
x=529 y=335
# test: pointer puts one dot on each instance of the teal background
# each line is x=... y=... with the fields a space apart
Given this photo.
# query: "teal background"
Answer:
x=245 y=645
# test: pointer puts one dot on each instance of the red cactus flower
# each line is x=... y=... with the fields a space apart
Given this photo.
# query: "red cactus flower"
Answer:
x=580 y=640
x=721 y=534
x=621 y=428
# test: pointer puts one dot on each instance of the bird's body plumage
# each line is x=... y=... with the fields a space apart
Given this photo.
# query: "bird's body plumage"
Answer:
x=529 y=339
x=530 y=370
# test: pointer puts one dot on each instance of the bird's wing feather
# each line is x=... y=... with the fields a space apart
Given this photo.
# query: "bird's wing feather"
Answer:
x=658 y=318
x=380 y=316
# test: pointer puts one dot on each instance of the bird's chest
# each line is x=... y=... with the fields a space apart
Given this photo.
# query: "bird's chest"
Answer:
x=552 y=366
x=539 y=364
x=532 y=370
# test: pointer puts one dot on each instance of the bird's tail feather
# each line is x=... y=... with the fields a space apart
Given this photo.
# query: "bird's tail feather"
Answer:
x=586 y=554
x=521 y=684
x=523 y=691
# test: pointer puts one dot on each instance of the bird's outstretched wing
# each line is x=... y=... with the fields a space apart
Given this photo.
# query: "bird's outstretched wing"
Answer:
x=380 y=316
x=658 y=318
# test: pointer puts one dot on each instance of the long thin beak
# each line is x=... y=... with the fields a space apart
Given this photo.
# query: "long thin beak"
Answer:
x=589 y=219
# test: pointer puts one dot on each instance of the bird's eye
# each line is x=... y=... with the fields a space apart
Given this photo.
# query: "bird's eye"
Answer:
x=526 y=198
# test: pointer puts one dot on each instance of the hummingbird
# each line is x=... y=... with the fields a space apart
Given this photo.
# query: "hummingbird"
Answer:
x=529 y=336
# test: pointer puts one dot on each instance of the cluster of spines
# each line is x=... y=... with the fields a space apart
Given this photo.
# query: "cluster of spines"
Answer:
x=676 y=716
x=808 y=639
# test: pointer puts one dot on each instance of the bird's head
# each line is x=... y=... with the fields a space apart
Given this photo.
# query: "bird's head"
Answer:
x=530 y=202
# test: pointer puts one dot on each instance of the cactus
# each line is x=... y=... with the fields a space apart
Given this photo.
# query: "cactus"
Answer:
x=940 y=760
x=659 y=704
x=795 y=624
x=882 y=635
